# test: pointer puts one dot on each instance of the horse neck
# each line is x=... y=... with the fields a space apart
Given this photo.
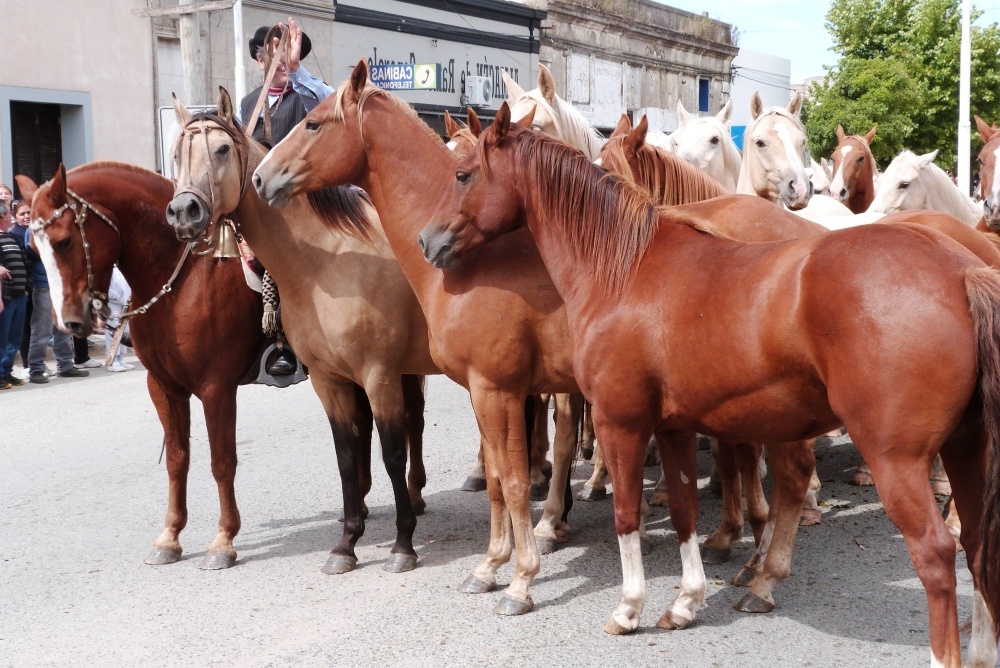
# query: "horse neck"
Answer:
x=137 y=201
x=405 y=166
x=731 y=165
x=576 y=130
x=948 y=198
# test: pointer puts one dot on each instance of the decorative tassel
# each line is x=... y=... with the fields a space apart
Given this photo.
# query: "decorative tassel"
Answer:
x=270 y=323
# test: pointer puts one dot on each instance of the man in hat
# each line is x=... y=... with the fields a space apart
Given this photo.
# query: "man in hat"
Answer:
x=293 y=92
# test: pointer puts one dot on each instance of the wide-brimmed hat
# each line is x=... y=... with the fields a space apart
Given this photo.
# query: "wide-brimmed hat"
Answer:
x=257 y=41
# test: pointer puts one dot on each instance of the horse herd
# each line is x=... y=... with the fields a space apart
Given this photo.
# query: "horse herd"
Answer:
x=517 y=266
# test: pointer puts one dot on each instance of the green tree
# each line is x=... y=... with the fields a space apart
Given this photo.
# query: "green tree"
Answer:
x=923 y=38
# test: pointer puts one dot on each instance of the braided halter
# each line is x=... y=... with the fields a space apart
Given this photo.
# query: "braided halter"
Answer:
x=80 y=207
x=187 y=138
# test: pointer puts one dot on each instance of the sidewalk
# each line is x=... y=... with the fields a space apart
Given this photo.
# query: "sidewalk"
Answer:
x=96 y=349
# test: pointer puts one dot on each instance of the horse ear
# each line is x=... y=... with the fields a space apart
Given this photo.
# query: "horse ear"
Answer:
x=985 y=131
x=682 y=114
x=181 y=112
x=224 y=105
x=840 y=133
x=637 y=137
x=473 y=119
x=623 y=127
x=514 y=90
x=726 y=113
x=546 y=84
x=501 y=123
x=871 y=134
x=450 y=126
x=824 y=163
x=927 y=158
x=795 y=105
x=359 y=77
x=57 y=186
x=526 y=120
x=756 y=106
x=26 y=186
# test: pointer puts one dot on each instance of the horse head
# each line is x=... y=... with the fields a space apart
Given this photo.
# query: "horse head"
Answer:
x=78 y=243
x=906 y=183
x=989 y=184
x=773 y=154
x=853 y=165
x=462 y=139
x=706 y=142
x=210 y=160
x=303 y=162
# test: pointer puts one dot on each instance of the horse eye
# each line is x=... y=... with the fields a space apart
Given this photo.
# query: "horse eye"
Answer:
x=312 y=125
x=903 y=185
x=63 y=245
x=714 y=140
x=861 y=160
x=760 y=143
x=463 y=177
x=224 y=149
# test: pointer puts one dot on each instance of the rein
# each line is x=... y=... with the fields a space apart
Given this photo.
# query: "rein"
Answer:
x=80 y=207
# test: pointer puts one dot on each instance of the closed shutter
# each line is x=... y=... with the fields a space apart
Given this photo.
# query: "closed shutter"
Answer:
x=37 y=140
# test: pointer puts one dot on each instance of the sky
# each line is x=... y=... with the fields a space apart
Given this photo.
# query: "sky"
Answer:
x=790 y=29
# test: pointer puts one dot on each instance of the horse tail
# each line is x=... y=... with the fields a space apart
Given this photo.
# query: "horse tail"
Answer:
x=983 y=289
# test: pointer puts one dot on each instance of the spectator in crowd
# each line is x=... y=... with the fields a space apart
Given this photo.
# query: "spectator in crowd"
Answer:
x=7 y=197
x=21 y=211
x=119 y=293
x=14 y=293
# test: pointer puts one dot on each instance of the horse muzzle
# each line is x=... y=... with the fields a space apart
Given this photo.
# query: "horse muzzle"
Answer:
x=438 y=247
x=189 y=216
x=991 y=212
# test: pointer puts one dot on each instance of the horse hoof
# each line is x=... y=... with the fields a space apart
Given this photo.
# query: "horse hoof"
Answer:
x=645 y=547
x=592 y=494
x=810 y=517
x=400 y=563
x=715 y=488
x=744 y=577
x=660 y=499
x=339 y=564
x=613 y=628
x=472 y=484
x=861 y=479
x=511 y=607
x=545 y=545
x=474 y=585
x=540 y=491
x=217 y=561
x=715 y=555
x=672 y=622
x=586 y=453
x=754 y=604
x=419 y=506
x=704 y=442
x=160 y=557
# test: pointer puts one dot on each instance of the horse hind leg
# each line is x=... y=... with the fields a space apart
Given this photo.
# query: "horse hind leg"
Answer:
x=365 y=423
x=718 y=547
x=174 y=411
x=537 y=426
x=220 y=418
x=413 y=406
x=595 y=489
x=552 y=528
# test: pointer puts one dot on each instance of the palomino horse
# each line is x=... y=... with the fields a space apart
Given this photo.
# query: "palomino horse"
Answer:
x=105 y=213
x=551 y=114
x=707 y=143
x=742 y=357
x=347 y=310
x=854 y=170
x=365 y=136
x=773 y=168
x=914 y=182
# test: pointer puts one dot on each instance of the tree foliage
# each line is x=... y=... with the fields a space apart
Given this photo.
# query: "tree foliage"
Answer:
x=899 y=68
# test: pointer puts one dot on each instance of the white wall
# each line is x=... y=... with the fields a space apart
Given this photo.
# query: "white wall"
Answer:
x=768 y=75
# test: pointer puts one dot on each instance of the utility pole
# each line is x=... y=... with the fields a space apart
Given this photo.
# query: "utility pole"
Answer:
x=192 y=58
x=964 y=76
x=240 y=89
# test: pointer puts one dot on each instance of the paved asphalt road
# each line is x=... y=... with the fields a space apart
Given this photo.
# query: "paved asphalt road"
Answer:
x=83 y=497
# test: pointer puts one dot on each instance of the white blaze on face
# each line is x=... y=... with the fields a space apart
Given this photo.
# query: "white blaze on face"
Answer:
x=452 y=145
x=52 y=273
x=995 y=191
x=838 y=179
x=794 y=161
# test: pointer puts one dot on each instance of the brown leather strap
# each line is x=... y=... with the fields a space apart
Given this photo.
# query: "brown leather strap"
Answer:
x=271 y=66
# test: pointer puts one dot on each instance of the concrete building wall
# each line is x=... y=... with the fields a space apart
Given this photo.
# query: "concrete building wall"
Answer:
x=93 y=58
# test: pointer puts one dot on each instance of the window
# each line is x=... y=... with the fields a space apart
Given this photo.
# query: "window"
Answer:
x=36 y=131
x=703 y=95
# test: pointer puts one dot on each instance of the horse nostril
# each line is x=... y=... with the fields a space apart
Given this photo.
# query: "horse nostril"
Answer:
x=421 y=242
x=256 y=180
x=193 y=210
x=171 y=214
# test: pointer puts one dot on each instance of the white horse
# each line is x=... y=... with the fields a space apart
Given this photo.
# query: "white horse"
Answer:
x=773 y=166
x=821 y=176
x=552 y=115
x=914 y=182
x=707 y=143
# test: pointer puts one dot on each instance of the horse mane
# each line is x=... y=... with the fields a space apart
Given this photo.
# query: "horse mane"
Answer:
x=571 y=125
x=608 y=222
x=669 y=180
x=952 y=197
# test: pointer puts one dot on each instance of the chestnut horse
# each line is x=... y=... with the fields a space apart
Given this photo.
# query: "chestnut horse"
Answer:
x=347 y=310
x=788 y=340
x=854 y=169
x=201 y=337
x=989 y=183
x=478 y=320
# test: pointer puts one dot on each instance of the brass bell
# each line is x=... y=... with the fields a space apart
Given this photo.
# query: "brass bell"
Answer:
x=225 y=241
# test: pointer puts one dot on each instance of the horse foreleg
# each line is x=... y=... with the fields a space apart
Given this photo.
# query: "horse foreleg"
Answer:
x=476 y=480
x=595 y=489
x=541 y=468
x=811 y=514
x=390 y=419
x=678 y=451
x=792 y=465
x=365 y=423
x=719 y=545
x=219 y=403
x=502 y=424
x=750 y=462
x=413 y=406
x=552 y=527
x=174 y=410
x=340 y=404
